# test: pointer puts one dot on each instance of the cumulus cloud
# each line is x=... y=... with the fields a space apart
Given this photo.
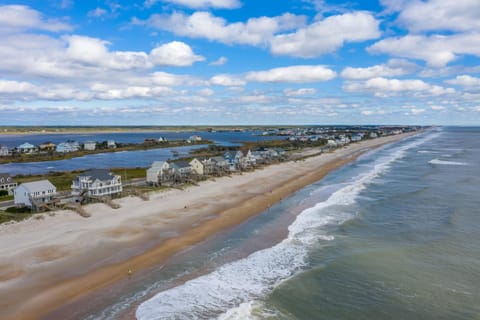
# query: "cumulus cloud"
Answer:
x=219 y=62
x=416 y=111
x=174 y=53
x=201 y=24
x=227 y=80
x=394 y=67
x=437 y=15
x=293 y=74
x=19 y=18
x=196 y=4
x=436 y=50
x=438 y=108
x=299 y=92
x=383 y=87
x=465 y=81
x=98 y=12
x=326 y=35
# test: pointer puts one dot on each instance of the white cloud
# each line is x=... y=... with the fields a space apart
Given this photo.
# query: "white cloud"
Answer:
x=416 y=111
x=98 y=12
x=394 y=67
x=373 y=112
x=201 y=24
x=436 y=50
x=227 y=81
x=293 y=74
x=326 y=35
x=196 y=4
x=438 y=108
x=219 y=62
x=207 y=92
x=382 y=87
x=18 y=18
x=8 y=86
x=439 y=15
x=300 y=92
x=174 y=53
x=465 y=81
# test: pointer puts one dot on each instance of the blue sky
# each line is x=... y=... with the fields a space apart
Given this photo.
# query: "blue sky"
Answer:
x=219 y=62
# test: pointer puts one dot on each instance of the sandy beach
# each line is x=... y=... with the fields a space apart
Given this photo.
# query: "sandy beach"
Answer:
x=48 y=262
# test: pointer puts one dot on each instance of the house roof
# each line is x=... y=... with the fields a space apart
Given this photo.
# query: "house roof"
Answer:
x=37 y=186
x=26 y=145
x=157 y=164
x=181 y=164
x=218 y=159
x=97 y=174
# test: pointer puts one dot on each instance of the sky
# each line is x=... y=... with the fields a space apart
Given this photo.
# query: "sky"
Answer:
x=239 y=62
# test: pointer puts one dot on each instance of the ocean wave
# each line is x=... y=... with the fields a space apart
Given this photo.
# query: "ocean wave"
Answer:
x=230 y=291
x=449 y=163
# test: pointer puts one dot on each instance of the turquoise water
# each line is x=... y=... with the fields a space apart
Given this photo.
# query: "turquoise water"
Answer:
x=394 y=235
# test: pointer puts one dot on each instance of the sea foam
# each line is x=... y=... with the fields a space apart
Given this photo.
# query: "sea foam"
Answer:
x=231 y=291
x=449 y=163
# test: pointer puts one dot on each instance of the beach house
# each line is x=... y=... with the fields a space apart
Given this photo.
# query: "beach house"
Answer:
x=4 y=151
x=111 y=144
x=215 y=165
x=181 y=169
x=197 y=167
x=69 y=146
x=247 y=160
x=34 y=194
x=26 y=148
x=158 y=172
x=47 y=146
x=7 y=183
x=90 y=145
x=97 y=182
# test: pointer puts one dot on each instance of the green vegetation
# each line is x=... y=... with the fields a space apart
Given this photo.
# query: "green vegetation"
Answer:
x=13 y=214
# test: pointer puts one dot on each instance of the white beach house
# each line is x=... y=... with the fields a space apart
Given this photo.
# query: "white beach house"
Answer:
x=4 y=151
x=69 y=146
x=90 y=145
x=7 y=183
x=34 y=193
x=26 y=148
x=198 y=167
x=157 y=172
x=97 y=182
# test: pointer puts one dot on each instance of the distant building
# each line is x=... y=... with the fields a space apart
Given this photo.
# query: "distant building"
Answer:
x=34 y=193
x=373 y=135
x=47 y=146
x=195 y=138
x=97 y=182
x=111 y=144
x=158 y=172
x=181 y=169
x=197 y=167
x=69 y=146
x=26 y=148
x=7 y=183
x=4 y=151
x=90 y=145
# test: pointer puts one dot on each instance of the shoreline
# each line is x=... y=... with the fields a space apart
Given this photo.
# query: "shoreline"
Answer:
x=86 y=261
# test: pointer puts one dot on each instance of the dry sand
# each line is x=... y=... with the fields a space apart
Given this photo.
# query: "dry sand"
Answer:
x=46 y=263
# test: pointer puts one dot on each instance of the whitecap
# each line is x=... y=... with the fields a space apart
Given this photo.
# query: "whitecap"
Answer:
x=449 y=163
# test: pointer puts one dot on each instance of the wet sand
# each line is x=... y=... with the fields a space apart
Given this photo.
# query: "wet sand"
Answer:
x=54 y=261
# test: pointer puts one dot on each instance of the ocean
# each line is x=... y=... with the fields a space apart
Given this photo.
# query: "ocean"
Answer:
x=393 y=235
